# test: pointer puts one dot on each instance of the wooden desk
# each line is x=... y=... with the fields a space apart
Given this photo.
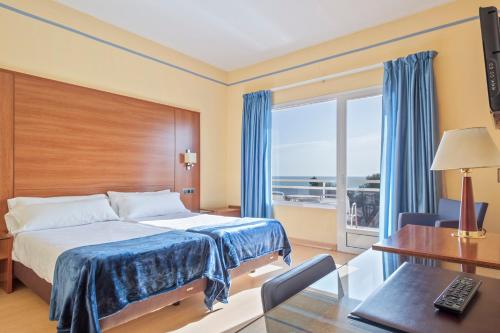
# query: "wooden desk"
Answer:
x=438 y=243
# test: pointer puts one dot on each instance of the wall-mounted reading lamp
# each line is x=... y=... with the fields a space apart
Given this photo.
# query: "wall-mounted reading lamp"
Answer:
x=189 y=159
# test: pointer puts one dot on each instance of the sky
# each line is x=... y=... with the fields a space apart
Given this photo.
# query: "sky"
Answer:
x=304 y=139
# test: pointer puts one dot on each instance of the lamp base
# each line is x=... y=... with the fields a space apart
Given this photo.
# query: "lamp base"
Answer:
x=467 y=226
x=470 y=234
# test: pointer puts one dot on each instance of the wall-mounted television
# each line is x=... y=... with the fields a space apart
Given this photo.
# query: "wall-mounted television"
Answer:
x=491 y=48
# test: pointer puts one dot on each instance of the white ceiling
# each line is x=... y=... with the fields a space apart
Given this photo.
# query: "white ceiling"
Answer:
x=231 y=34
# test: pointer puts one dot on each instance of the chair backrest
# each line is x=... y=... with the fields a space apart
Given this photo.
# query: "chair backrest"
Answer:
x=284 y=286
x=450 y=210
x=481 y=208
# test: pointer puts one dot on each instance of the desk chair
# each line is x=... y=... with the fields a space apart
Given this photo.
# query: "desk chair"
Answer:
x=447 y=216
x=284 y=286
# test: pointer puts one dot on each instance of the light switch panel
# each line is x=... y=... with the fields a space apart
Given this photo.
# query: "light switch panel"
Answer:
x=188 y=190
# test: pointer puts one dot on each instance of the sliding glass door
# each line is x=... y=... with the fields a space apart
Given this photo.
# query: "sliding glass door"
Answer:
x=326 y=155
x=358 y=169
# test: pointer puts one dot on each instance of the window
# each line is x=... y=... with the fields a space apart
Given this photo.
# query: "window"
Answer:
x=304 y=150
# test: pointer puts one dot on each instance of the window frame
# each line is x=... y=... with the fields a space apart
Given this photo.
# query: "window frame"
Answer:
x=342 y=241
x=341 y=183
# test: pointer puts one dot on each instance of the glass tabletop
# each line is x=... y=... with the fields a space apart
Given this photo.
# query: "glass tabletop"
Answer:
x=325 y=305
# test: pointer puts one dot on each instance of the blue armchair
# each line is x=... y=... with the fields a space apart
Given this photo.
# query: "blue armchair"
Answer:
x=447 y=216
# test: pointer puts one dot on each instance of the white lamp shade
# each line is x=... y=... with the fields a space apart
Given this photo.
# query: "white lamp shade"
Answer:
x=466 y=148
x=190 y=157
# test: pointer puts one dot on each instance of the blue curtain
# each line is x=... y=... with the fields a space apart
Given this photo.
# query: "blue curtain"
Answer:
x=409 y=140
x=256 y=155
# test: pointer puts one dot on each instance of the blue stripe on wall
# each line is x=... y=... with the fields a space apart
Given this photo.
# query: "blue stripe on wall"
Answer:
x=283 y=70
x=106 y=42
x=360 y=49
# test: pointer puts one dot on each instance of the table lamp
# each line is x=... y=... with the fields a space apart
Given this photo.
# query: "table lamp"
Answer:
x=466 y=149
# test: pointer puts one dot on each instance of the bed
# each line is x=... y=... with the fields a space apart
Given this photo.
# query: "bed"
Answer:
x=36 y=271
x=238 y=240
x=91 y=263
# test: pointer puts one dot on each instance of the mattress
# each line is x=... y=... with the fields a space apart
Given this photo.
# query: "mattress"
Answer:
x=39 y=250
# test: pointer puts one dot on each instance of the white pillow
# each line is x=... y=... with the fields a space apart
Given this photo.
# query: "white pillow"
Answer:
x=115 y=196
x=36 y=200
x=61 y=214
x=136 y=206
x=11 y=223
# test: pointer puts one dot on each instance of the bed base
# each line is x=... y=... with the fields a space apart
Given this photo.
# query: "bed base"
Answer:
x=138 y=309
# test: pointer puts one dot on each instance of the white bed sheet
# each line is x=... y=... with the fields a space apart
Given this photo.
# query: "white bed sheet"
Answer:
x=171 y=216
x=191 y=221
x=39 y=250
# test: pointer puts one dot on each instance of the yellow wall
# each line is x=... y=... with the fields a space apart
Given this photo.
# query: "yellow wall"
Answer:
x=460 y=82
x=40 y=49
x=315 y=225
x=37 y=48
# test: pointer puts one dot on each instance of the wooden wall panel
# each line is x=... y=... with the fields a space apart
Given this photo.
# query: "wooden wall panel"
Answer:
x=187 y=136
x=62 y=139
x=74 y=140
x=6 y=142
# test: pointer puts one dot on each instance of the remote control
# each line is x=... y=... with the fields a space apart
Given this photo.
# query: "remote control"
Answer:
x=457 y=295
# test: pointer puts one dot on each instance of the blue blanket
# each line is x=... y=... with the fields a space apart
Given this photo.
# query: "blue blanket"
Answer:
x=246 y=239
x=92 y=282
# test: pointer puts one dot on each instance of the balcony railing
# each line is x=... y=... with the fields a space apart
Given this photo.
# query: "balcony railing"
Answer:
x=362 y=197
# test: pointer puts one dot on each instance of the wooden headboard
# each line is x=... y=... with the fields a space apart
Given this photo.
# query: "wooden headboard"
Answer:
x=62 y=139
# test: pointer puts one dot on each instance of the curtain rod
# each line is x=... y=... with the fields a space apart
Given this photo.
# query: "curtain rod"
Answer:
x=328 y=77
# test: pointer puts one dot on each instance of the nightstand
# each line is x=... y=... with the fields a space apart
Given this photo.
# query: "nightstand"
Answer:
x=6 y=261
x=234 y=211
